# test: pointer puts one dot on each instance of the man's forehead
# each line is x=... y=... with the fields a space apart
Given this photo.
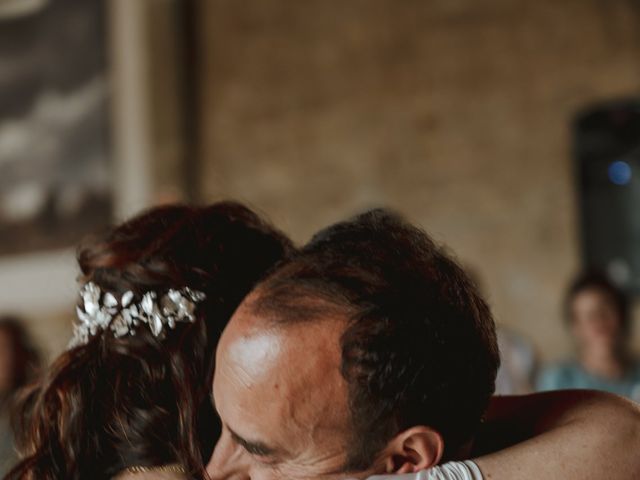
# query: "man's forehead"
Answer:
x=284 y=377
x=261 y=347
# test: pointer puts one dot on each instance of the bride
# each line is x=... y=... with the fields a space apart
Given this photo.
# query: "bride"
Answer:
x=127 y=397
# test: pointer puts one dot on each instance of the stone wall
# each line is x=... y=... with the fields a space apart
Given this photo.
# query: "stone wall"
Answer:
x=455 y=112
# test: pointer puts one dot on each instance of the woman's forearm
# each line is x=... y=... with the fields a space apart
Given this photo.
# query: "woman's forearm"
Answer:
x=570 y=435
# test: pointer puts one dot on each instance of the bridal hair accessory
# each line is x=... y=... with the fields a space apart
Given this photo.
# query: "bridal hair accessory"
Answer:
x=164 y=468
x=100 y=311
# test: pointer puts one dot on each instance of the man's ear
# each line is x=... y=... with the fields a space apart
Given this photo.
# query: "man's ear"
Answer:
x=412 y=450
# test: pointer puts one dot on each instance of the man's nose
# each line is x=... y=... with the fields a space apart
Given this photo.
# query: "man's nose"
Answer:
x=228 y=461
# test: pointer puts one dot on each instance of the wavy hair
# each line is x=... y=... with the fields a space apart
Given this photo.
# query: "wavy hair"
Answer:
x=139 y=400
x=25 y=357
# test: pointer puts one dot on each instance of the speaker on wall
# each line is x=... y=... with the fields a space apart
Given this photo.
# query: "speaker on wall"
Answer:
x=607 y=156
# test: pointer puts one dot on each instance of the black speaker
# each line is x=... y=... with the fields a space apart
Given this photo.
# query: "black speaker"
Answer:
x=607 y=157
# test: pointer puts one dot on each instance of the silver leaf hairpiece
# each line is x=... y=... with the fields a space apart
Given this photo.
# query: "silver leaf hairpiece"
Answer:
x=99 y=312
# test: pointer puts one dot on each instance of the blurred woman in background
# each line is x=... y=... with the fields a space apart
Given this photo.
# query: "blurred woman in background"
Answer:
x=18 y=363
x=598 y=317
x=130 y=397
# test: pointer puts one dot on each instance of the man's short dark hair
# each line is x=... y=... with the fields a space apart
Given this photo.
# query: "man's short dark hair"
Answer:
x=419 y=346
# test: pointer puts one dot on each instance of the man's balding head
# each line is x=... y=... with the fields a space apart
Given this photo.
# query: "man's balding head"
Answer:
x=402 y=337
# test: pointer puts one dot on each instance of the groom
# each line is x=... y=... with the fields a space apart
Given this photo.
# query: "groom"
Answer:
x=372 y=352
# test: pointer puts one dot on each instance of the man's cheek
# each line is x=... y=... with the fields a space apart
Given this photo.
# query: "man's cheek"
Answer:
x=228 y=459
x=259 y=471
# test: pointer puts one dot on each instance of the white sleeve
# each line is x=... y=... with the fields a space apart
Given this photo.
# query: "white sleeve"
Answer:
x=466 y=470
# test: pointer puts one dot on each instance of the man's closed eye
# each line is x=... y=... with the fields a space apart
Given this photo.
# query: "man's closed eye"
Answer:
x=254 y=448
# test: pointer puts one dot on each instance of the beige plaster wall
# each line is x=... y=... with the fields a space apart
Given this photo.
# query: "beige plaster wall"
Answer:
x=456 y=112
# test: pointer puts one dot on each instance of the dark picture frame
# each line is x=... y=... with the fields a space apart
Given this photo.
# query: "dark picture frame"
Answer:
x=56 y=176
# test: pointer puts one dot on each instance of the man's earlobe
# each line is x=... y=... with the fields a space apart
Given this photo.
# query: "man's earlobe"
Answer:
x=412 y=450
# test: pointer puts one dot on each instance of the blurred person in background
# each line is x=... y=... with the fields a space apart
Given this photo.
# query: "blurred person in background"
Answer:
x=518 y=363
x=597 y=314
x=18 y=363
x=518 y=359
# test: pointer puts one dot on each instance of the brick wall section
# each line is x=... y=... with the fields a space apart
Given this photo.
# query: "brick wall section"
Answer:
x=454 y=111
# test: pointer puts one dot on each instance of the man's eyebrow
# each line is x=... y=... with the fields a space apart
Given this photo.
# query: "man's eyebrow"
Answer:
x=253 y=447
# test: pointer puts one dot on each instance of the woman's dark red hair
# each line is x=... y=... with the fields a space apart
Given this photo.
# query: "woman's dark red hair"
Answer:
x=140 y=400
x=26 y=359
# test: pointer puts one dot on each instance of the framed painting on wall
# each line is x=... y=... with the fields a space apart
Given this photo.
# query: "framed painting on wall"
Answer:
x=93 y=129
x=55 y=168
